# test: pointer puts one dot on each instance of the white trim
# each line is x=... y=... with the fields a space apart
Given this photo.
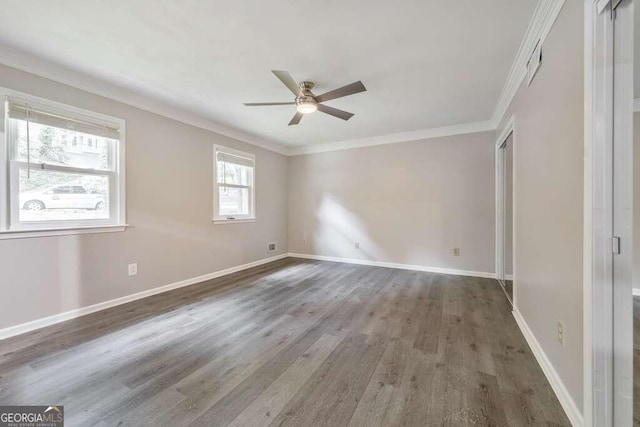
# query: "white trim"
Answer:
x=623 y=76
x=251 y=217
x=10 y=218
x=63 y=109
x=601 y=4
x=72 y=314
x=544 y=17
x=395 y=138
x=597 y=255
x=439 y=270
x=32 y=64
x=509 y=129
x=563 y=395
x=232 y=221
x=29 y=234
x=636 y=292
x=588 y=392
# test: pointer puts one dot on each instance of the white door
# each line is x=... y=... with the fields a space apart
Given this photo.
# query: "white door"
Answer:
x=623 y=198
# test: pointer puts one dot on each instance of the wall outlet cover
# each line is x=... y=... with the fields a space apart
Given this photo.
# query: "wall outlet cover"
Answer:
x=133 y=269
x=560 y=333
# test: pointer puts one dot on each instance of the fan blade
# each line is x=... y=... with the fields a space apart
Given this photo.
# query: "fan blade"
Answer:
x=296 y=119
x=347 y=90
x=344 y=115
x=261 y=104
x=288 y=81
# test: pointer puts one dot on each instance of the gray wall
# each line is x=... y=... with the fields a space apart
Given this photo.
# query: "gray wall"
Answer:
x=409 y=203
x=169 y=207
x=548 y=202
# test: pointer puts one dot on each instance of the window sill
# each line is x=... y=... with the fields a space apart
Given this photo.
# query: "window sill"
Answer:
x=232 y=221
x=27 y=234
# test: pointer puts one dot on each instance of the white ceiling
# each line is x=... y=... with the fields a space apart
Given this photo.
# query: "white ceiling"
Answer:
x=426 y=63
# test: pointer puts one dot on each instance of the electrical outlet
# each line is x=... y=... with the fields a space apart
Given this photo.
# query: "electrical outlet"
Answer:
x=357 y=245
x=272 y=247
x=560 y=333
x=133 y=269
x=456 y=251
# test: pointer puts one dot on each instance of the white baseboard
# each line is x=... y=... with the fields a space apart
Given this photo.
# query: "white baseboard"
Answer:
x=636 y=292
x=569 y=406
x=396 y=265
x=72 y=314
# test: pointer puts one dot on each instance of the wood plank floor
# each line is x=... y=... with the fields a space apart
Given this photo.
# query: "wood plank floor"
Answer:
x=636 y=361
x=295 y=343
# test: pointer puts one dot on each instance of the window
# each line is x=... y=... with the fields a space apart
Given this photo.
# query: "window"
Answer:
x=234 y=195
x=46 y=183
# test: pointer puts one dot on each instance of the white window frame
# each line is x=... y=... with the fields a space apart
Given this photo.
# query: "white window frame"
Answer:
x=251 y=217
x=10 y=229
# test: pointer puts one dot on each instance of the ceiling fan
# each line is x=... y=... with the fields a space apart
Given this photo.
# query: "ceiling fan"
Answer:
x=306 y=102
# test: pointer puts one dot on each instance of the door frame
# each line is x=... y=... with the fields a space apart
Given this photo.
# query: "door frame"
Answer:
x=623 y=196
x=599 y=293
x=509 y=129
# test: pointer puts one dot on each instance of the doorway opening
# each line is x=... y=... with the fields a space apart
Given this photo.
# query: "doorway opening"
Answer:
x=505 y=268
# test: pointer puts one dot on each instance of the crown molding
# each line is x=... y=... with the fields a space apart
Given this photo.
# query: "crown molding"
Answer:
x=395 y=138
x=29 y=63
x=544 y=17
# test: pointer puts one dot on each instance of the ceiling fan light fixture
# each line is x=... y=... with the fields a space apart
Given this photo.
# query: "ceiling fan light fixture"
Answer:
x=306 y=107
x=306 y=102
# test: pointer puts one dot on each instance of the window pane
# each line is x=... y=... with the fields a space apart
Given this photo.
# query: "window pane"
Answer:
x=233 y=201
x=62 y=196
x=230 y=173
x=63 y=147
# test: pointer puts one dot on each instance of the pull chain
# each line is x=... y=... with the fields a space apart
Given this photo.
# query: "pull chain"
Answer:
x=28 y=144
x=224 y=165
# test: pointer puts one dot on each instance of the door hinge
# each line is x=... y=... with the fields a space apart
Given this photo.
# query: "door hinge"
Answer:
x=616 y=246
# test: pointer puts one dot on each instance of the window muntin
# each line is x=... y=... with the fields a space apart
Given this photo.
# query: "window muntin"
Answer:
x=234 y=195
x=64 y=167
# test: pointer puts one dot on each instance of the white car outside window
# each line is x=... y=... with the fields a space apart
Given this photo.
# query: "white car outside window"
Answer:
x=62 y=197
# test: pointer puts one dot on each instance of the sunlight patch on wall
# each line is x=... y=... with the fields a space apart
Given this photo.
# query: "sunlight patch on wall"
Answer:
x=341 y=233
